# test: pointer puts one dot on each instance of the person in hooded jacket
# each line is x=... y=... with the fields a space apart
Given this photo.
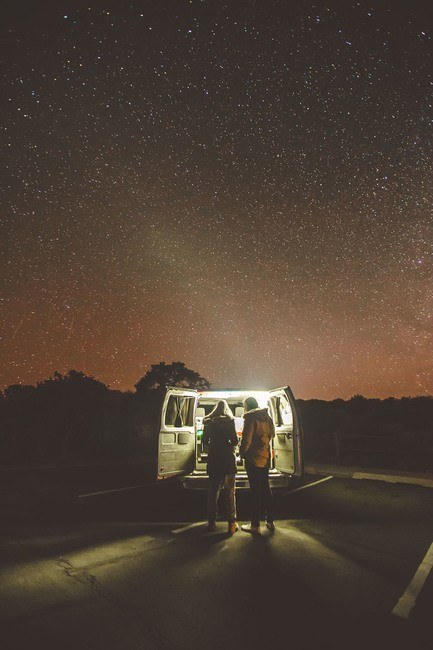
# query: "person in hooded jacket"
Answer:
x=219 y=434
x=257 y=434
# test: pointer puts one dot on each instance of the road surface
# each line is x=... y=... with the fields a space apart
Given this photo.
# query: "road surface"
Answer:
x=126 y=565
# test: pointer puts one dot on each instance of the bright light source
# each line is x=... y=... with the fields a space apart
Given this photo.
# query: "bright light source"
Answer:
x=262 y=396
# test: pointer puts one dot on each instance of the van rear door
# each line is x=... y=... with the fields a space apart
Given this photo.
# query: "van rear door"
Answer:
x=176 y=442
x=288 y=457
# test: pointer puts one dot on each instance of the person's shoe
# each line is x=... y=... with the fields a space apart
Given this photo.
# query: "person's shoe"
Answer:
x=233 y=528
x=211 y=526
x=270 y=525
x=249 y=528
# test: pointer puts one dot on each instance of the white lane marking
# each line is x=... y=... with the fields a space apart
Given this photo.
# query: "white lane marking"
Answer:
x=131 y=487
x=304 y=487
x=388 y=478
x=407 y=601
x=194 y=525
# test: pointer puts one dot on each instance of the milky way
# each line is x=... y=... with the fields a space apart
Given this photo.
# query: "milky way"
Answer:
x=242 y=186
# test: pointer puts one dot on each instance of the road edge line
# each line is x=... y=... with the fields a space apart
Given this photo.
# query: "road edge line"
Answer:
x=304 y=487
x=405 y=604
x=131 y=487
x=393 y=478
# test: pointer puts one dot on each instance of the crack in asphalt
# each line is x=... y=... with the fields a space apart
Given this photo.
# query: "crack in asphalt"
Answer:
x=84 y=577
x=174 y=542
x=129 y=556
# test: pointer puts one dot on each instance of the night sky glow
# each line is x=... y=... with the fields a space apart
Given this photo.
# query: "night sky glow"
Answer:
x=242 y=186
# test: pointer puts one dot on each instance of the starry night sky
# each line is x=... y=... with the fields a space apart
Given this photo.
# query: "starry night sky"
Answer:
x=244 y=186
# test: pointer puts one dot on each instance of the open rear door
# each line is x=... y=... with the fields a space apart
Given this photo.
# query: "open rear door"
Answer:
x=288 y=457
x=176 y=443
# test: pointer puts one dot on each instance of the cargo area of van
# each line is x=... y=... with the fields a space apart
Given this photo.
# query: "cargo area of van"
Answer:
x=181 y=451
x=205 y=404
x=278 y=407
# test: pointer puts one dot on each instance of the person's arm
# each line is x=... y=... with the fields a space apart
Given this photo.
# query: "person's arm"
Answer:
x=206 y=433
x=233 y=436
x=272 y=427
x=247 y=436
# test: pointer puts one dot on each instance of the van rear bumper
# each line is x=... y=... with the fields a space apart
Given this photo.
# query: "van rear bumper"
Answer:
x=199 y=480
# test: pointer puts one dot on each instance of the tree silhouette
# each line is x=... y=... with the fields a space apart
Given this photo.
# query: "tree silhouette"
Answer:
x=68 y=416
x=162 y=375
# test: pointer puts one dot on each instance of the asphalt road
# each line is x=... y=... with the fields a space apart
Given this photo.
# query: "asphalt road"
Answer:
x=131 y=569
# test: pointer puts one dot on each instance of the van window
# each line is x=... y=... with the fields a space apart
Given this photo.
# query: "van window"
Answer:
x=180 y=411
x=283 y=411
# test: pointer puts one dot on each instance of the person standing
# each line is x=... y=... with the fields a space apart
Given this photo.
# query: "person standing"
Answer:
x=220 y=435
x=257 y=434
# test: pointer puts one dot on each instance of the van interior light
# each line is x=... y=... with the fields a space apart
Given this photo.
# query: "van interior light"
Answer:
x=262 y=396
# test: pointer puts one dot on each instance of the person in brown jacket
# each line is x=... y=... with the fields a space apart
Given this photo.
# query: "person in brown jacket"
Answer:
x=255 y=448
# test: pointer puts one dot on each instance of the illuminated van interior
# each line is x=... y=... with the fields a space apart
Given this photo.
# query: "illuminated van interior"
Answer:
x=279 y=409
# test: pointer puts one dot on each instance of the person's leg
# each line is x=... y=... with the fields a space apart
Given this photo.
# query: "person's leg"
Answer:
x=267 y=497
x=212 y=498
x=230 y=497
x=254 y=480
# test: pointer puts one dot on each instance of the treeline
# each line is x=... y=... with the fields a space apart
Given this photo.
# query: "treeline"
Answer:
x=75 y=418
x=68 y=418
x=390 y=433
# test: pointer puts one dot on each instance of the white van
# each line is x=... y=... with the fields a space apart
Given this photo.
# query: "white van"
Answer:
x=180 y=451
